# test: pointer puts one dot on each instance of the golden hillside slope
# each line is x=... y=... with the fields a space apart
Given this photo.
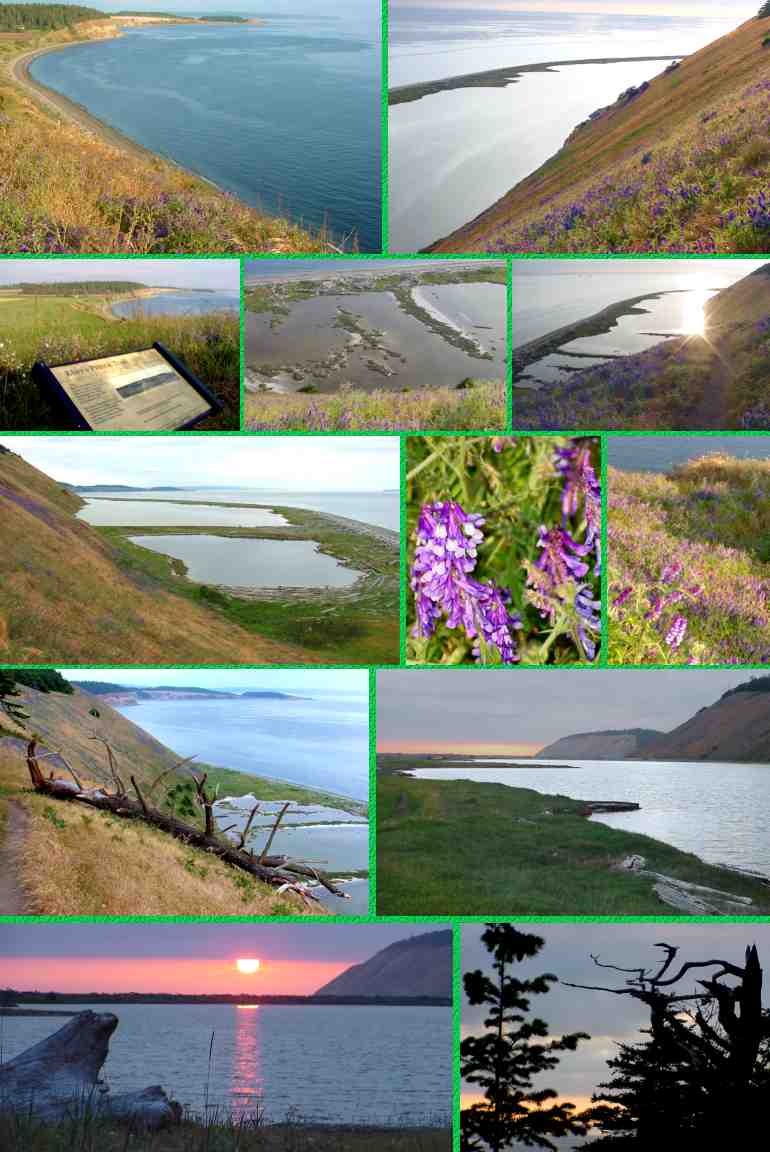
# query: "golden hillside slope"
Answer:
x=658 y=172
x=63 y=598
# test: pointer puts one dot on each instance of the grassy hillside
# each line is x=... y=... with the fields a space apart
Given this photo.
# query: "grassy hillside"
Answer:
x=492 y=850
x=719 y=380
x=477 y=405
x=64 y=189
x=67 y=595
x=114 y=866
x=677 y=165
x=689 y=564
x=65 y=328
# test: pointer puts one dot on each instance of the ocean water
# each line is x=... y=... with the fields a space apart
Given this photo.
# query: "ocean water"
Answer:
x=662 y=453
x=326 y=1063
x=321 y=742
x=286 y=116
x=453 y=154
x=179 y=304
x=720 y=812
x=379 y=508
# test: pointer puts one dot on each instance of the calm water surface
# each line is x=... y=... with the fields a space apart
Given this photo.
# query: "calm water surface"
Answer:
x=320 y=743
x=179 y=304
x=142 y=512
x=286 y=116
x=379 y=508
x=389 y=1065
x=410 y=355
x=720 y=812
x=243 y=563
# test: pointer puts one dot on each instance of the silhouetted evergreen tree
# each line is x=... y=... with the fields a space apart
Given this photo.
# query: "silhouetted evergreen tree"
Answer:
x=8 y=691
x=764 y=11
x=512 y=1050
x=704 y=1067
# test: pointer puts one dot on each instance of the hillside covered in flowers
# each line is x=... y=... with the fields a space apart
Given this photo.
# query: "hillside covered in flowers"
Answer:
x=679 y=164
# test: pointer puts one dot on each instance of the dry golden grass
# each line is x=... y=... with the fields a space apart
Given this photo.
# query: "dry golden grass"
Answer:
x=80 y=862
x=63 y=598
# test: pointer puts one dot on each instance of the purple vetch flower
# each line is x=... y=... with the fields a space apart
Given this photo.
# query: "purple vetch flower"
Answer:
x=623 y=596
x=590 y=622
x=676 y=632
x=562 y=557
x=445 y=556
x=671 y=572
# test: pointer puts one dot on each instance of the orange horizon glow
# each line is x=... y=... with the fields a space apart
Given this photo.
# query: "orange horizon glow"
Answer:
x=438 y=747
x=174 y=974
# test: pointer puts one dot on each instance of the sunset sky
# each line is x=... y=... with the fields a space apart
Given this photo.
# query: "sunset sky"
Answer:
x=295 y=959
x=605 y=1017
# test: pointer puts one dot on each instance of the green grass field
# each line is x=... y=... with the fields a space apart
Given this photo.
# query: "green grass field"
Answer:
x=62 y=329
x=460 y=848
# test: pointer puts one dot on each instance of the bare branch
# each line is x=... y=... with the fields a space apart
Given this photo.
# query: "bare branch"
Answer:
x=271 y=837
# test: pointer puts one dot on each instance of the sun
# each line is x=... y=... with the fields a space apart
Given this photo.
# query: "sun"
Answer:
x=247 y=967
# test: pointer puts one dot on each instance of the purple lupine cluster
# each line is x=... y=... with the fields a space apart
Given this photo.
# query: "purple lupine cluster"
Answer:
x=561 y=579
x=445 y=558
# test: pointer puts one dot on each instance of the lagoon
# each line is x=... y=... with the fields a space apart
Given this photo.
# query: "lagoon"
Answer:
x=240 y=562
x=719 y=812
x=324 y=1062
x=383 y=346
x=140 y=513
x=378 y=508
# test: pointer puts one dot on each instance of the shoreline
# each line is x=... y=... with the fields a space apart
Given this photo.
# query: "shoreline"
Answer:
x=502 y=77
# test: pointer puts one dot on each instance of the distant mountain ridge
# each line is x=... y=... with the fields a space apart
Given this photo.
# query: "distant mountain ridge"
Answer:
x=611 y=744
x=110 y=691
x=735 y=728
x=417 y=966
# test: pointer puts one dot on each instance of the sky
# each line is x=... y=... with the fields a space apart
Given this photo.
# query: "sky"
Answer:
x=717 y=9
x=300 y=680
x=605 y=1017
x=522 y=711
x=217 y=274
x=270 y=463
x=295 y=959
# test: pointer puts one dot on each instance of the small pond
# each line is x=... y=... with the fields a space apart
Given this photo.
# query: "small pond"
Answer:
x=238 y=562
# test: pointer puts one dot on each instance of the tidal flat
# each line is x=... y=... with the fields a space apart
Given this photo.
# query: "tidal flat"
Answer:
x=385 y=333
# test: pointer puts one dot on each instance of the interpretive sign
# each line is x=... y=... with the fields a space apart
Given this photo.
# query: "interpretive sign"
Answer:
x=147 y=391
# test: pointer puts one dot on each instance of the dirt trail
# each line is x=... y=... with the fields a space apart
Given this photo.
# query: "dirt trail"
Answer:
x=13 y=902
x=711 y=412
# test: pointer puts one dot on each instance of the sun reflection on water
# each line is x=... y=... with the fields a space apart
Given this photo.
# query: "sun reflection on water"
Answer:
x=247 y=1079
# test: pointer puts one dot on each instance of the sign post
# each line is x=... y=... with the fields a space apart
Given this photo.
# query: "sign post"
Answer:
x=147 y=391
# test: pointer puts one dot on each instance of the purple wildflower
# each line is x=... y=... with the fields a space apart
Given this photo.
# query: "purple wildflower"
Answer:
x=676 y=632
x=561 y=557
x=623 y=596
x=590 y=623
x=446 y=554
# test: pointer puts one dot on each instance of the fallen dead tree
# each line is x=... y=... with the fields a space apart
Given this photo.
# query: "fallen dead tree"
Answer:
x=279 y=872
x=695 y=899
x=58 y=1079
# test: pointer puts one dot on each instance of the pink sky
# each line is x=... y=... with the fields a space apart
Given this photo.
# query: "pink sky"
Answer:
x=181 y=974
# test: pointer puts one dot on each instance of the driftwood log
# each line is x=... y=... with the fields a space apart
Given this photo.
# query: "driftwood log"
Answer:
x=278 y=871
x=58 y=1079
